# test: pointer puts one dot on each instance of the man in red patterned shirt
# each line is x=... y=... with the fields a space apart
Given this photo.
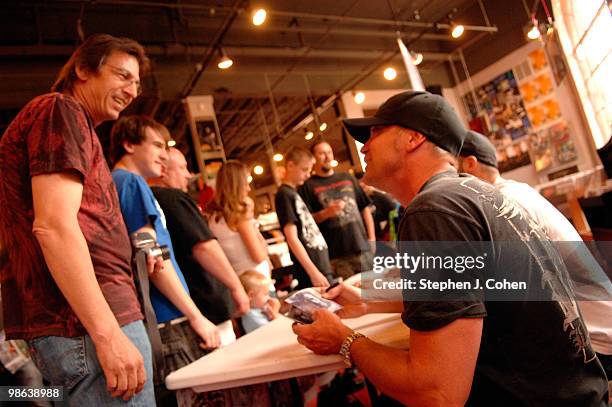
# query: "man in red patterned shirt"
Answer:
x=66 y=280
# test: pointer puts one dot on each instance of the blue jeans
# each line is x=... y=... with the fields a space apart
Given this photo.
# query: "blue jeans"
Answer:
x=73 y=364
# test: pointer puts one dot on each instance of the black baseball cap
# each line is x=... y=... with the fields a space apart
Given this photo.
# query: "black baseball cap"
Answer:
x=480 y=147
x=424 y=112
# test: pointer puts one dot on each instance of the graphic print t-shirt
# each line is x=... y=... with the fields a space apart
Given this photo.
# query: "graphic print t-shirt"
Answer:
x=139 y=208
x=531 y=352
x=54 y=134
x=345 y=234
x=290 y=208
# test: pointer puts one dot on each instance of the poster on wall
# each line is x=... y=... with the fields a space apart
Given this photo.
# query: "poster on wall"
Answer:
x=513 y=156
x=502 y=103
x=536 y=89
x=565 y=149
x=541 y=150
x=538 y=59
x=544 y=113
x=499 y=113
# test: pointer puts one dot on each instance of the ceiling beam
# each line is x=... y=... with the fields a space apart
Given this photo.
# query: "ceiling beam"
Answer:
x=181 y=50
x=282 y=13
x=352 y=32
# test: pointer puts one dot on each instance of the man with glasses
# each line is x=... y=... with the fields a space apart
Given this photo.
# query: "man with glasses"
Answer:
x=66 y=274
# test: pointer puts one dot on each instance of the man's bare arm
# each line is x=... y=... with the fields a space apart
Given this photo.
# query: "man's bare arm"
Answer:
x=298 y=250
x=169 y=284
x=57 y=199
x=436 y=371
x=210 y=256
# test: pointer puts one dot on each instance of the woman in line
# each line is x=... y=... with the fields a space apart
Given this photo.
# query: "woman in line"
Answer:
x=230 y=216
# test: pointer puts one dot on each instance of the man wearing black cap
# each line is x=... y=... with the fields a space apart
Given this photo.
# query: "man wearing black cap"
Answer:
x=469 y=350
x=478 y=158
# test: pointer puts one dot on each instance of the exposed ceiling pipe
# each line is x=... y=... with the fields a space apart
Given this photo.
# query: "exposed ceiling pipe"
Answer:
x=353 y=32
x=289 y=14
x=215 y=44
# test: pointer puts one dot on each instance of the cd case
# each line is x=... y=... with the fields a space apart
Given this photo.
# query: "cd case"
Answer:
x=305 y=302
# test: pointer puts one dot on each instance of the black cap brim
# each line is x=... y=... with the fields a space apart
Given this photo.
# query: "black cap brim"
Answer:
x=359 y=129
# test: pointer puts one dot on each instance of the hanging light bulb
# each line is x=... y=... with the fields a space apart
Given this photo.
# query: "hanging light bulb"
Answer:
x=224 y=61
x=171 y=143
x=359 y=97
x=390 y=74
x=417 y=58
x=333 y=163
x=323 y=126
x=250 y=179
x=258 y=170
x=309 y=135
x=534 y=32
x=277 y=157
x=259 y=16
x=457 y=30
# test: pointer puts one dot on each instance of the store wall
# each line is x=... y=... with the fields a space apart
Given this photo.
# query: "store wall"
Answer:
x=563 y=94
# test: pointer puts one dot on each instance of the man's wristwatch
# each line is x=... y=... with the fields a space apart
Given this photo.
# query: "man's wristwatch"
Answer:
x=345 y=349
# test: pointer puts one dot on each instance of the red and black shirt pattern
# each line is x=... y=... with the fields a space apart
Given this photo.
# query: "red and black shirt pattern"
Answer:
x=53 y=134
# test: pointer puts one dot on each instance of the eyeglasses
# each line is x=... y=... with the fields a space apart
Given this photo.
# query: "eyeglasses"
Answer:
x=126 y=78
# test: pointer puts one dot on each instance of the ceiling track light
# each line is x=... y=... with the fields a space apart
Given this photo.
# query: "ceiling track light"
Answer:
x=359 y=97
x=224 y=61
x=534 y=32
x=259 y=17
x=457 y=30
x=390 y=73
x=417 y=58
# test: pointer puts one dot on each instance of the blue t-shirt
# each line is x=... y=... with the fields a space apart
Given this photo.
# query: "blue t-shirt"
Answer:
x=139 y=208
x=254 y=319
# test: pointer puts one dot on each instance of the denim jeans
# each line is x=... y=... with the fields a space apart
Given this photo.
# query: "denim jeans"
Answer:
x=72 y=363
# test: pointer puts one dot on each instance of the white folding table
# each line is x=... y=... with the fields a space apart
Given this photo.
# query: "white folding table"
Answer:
x=272 y=353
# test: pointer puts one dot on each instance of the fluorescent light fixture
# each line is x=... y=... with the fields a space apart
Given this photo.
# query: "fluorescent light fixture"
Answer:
x=259 y=16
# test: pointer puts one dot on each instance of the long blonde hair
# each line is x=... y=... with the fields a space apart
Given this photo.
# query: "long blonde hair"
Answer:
x=228 y=201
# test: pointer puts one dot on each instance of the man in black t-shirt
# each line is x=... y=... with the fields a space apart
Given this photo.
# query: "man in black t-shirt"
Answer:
x=211 y=279
x=524 y=351
x=308 y=248
x=341 y=208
